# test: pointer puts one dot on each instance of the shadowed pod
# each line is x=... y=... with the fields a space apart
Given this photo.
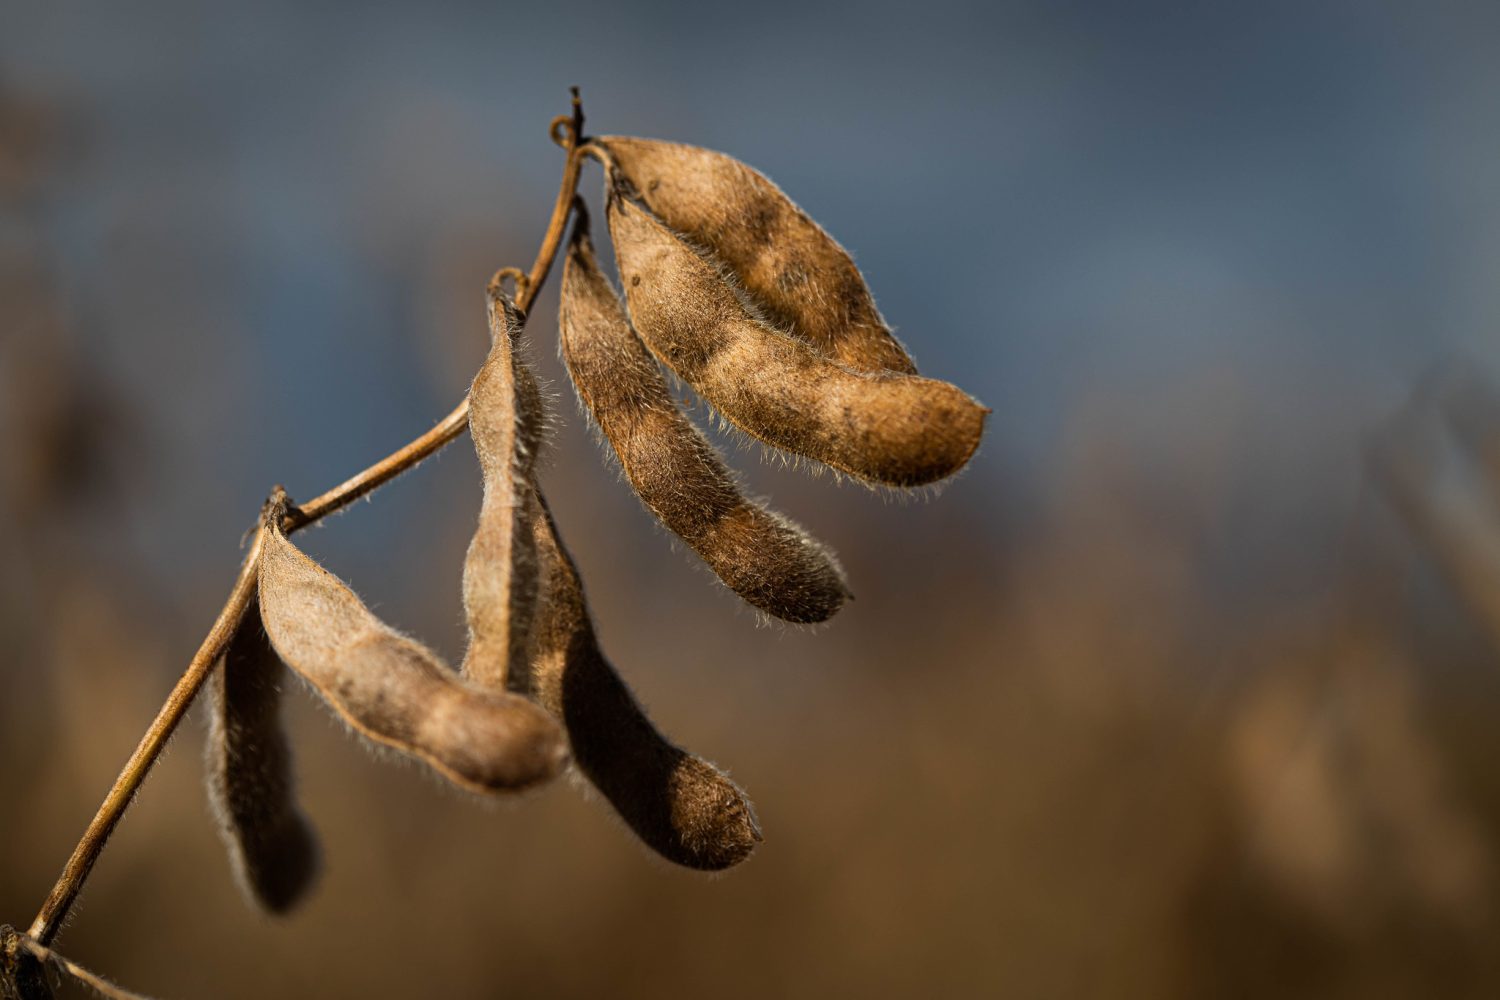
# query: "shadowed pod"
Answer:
x=680 y=805
x=886 y=428
x=271 y=845
x=392 y=689
x=799 y=275
x=678 y=475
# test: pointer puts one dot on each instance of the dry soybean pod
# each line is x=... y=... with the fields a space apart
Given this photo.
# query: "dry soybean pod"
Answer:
x=678 y=475
x=680 y=805
x=505 y=421
x=271 y=845
x=895 y=430
x=392 y=689
x=798 y=274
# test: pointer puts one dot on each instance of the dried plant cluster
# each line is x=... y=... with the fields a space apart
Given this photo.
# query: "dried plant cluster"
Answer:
x=735 y=291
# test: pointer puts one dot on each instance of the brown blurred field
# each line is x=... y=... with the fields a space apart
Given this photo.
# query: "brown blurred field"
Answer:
x=1205 y=702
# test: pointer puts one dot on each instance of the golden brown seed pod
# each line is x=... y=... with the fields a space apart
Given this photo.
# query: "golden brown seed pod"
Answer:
x=271 y=845
x=505 y=421
x=392 y=689
x=798 y=275
x=896 y=430
x=681 y=806
x=679 y=476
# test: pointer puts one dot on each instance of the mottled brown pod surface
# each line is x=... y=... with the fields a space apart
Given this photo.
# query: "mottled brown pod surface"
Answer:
x=794 y=271
x=897 y=430
x=677 y=473
x=393 y=689
x=271 y=845
x=678 y=804
x=505 y=421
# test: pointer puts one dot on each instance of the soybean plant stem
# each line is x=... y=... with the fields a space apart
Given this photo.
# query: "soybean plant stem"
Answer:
x=567 y=131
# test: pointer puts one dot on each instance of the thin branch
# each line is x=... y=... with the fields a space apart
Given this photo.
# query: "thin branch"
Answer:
x=49 y=919
x=47 y=957
x=60 y=900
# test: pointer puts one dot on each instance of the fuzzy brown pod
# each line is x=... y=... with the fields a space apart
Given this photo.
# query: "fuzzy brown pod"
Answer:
x=392 y=689
x=680 y=805
x=500 y=577
x=679 y=476
x=885 y=428
x=799 y=275
x=271 y=845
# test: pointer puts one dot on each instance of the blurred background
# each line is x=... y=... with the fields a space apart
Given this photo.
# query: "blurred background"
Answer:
x=1189 y=686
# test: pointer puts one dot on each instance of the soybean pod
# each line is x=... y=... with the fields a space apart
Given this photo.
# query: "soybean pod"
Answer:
x=799 y=275
x=678 y=475
x=678 y=804
x=271 y=845
x=505 y=422
x=390 y=688
x=885 y=428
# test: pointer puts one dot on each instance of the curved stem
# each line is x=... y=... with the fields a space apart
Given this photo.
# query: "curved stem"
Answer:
x=552 y=239
x=60 y=900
